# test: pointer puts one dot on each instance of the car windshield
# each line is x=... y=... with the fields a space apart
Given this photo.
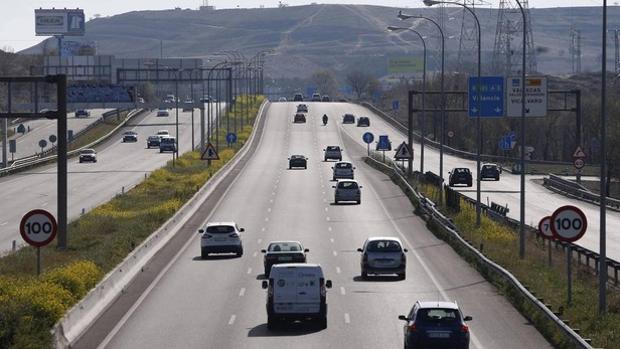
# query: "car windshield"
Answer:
x=343 y=165
x=220 y=229
x=437 y=316
x=284 y=247
x=347 y=185
x=383 y=246
x=88 y=151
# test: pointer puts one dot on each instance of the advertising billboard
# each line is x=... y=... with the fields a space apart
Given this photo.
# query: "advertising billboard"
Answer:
x=59 y=22
x=405 y=64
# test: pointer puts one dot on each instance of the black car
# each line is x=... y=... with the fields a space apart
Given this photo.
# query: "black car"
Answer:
x=82 y=113
x=436 y=325
x=348 y=119
x=302 y=108
x=325 y=98
x=297 y=161
x=363 y=121
x=298 y=97
x=490 y=171
x=460 y=175
x=130 y=137
x=333 y=152
x=299 y=118
x=153 y=141
x=283 y=252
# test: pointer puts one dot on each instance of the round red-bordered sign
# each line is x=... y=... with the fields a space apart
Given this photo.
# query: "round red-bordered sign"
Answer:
x=568 y=223
x=544 y=227
x=38 y=228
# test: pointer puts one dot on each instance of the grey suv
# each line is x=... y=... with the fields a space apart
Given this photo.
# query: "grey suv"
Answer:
x=333 y=152
x=383 y=255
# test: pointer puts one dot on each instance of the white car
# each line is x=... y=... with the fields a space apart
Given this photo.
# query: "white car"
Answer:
x=163 y=133
x=347 y=190
x=89 y=155
x=221 y=237
x=383 y=255
x=343 y=170
x=296 y=291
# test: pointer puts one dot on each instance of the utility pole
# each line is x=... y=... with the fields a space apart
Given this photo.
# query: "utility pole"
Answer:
x=575 y=50
x=509 y=24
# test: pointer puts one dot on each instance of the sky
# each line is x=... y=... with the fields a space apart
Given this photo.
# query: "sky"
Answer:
x=17 y=26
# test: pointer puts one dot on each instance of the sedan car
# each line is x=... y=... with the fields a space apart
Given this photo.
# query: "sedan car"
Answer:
x=163 y=112
x=348 y=119
x=167 y=143
x=383 y=255
x=297 y=161
x=343 y=170
x=332 y=152
x=130 y=136
x=363 y=121
x=460 y=175
x=88 y=155
x=302 y=108
x=299 y=118
x=153 y=141
x=298 y=97
x=325 y=98
x=221 y=237
x=283 y=252
x=347 y=190
x=436 y=325
x=316 y=97
x=82 y=113
x=490 y=171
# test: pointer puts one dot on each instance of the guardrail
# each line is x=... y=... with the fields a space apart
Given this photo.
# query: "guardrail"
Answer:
x=35 y=161
x=577 y=191
x=457 y=242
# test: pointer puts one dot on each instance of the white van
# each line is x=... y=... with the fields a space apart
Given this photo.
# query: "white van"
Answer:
x=296 y=291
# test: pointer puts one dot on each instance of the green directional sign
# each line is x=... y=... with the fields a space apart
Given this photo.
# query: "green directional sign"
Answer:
x=405 y=64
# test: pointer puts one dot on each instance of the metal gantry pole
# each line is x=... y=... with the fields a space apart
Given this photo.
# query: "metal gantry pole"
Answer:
x=602 y=299
x=62 y=161
x=191 y=89
x=522 y=136
x=5 y=129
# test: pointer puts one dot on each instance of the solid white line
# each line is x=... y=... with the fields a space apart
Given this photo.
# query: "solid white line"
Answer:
x=232 y=319
x=4 y=223
x=329 y=229
x=262 y=229
x=242 y=292
x=266 y=219
x=338 y=270
x=259 y=241
x=44 y=204
x=335 y=253
x=325 y=209
x=347 y=318
x=331 y=240
x=342 y=291
x=269 y=209
x=249 y=270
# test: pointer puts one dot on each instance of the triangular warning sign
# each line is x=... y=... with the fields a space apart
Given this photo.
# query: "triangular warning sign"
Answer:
x=210 y=153
x=579 y=153
x=403 y=152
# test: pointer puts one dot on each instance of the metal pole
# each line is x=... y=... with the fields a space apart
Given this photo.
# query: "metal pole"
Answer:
x=522 y=203
x=478 y=123
x=410 y=133
x=38 y=261
x=579 y=126
x=5 y=130
x=62 y=161
x=602 y=297
x=176 y=92
x=191 y=89
x=423 y=121
x=569 y=275
x=202 y=115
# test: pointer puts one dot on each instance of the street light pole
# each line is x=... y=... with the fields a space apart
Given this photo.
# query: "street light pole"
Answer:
x=522 y=203
x=602 y=282
x=410 y=115
x=443 y=95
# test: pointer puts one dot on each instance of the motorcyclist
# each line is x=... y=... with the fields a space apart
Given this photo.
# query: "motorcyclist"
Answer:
x=324 y=119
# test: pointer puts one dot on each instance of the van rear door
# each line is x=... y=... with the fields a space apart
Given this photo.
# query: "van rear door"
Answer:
x=296 y=290
x=308 y=291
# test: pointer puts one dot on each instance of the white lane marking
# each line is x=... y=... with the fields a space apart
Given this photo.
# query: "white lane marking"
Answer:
x=255 y=254
x=266 y=219
x=329 y=229
x=273 y=193
x=259 y=240
x=271 y=201
x=342 y=291
x=325 y=209
x=44 y=204
x=3 y=224
x=269 y=209
x=249 y=270
x=327 y=218
x=347 y=318
x=242 y=292
x=338 y=271
x=335 y=253
x=232 y=319
x=331 y=240
x=262 y=229
x=324 y=200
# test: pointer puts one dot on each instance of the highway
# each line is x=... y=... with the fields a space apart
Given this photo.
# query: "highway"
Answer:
x=28 y=143
x=91 y=184
x=219 y=303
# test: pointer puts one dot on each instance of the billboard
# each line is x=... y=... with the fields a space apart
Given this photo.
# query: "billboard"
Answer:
x=59 y=22
x=405 y=64
x=78 y=48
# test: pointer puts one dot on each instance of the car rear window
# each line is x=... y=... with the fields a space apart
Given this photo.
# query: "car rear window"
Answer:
x=284 y=247
x=167 y=140
x=347 y=185
x=383 y=246
x=461 y=170
x=343 y=165
x=220 y=229
x=333 y=148
x=437 y=316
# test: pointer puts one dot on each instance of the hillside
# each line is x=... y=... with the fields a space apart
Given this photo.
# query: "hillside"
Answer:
x=336 y=36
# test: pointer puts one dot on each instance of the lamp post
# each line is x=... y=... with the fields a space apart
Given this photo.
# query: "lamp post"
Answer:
x=602 y=273
x=522 y=203
x=410 y=115
x=403 y=16
x=478 y=101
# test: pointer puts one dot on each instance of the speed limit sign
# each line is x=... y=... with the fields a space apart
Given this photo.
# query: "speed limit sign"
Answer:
x=568 y=223
x=544 y=227
x=38 y=228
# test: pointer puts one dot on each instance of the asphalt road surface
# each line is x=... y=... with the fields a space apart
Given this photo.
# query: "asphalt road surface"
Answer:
x=219 y=303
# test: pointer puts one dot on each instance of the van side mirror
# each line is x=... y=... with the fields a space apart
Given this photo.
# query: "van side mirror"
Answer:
x=306 y=250
x=333 y=186
x=328 y=284
x=265 y=284
x=402 y=317
x=200 y=231
x=360 y=250
x=467 y=318
x=263 y=251
x=241 y=229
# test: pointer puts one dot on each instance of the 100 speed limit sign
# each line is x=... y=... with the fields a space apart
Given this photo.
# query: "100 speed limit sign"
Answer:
x=38 y=228
x=568 y=223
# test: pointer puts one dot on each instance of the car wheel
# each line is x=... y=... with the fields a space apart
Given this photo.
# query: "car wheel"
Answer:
x=364 y=275
x=340 y=159
x=469 y=184
x=204 y=254
x=333 y=179
x=497 y=178
x=325 y=159
x=290 y=167
x=239 y=252
x=95 y=161
x=359 y=202
x=80 y=161
x=336 y=202
x=161 y=151
x=323 y=322
x=271 y=323
x=402 y=276
x=305 y=167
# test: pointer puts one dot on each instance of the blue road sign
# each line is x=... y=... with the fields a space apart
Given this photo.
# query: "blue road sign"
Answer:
x=491 y=96
x=231 y=138
x=505 y=143
x=512 y=135
x=368 y=137
x=384 y=143
x=395 y=105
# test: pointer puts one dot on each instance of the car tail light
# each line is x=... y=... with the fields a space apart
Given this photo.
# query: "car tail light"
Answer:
x=464 y=328
x=233 y=235
x=412 y=328
x=207 y=236
x=270 y=289
x=323 y=289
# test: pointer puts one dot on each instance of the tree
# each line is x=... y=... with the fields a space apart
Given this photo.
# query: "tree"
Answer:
x=325 y=82
x=359 y=82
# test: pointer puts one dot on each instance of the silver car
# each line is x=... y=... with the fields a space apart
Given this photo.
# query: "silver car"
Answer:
x=343 y=170
x=221 y=237
x=347 y=190
x=383 y=255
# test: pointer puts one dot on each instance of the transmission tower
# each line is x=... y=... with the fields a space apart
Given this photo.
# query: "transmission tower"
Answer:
x=506 y=56
x=575 y=50
x=617 y=49
x=468 y=40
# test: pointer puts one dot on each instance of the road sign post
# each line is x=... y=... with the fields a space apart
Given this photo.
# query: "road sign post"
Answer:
x=384 y=145
x=38 y=228
x=579 y=162
x=544 y=227
x=368 y=138
x=231 y=138
x=535 y=99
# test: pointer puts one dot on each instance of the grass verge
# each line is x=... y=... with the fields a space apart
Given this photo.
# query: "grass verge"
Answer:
x=98 y=241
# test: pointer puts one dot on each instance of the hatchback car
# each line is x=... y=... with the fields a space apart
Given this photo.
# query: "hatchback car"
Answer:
x=130 y=136
x=383 y=255
x=282 y=99
x=490 y=171
x=283 y=252
x=297 y=161
x=343 y=170
x=302 y=108
x=332 y=152
x=153 y=141
x=363 y=121
x=325 y=98
x=299 y=118
x=298 y=97
x=221 y=237
x=316 y=97
x=88 y=155
x=347 y=190
x=163 y=112
x=82 y=113
x=167 y=143
x=436 y=325
x=348 y=119
x=460 y=175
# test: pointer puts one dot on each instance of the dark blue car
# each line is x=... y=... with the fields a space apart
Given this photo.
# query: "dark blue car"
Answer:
x=436 y=325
